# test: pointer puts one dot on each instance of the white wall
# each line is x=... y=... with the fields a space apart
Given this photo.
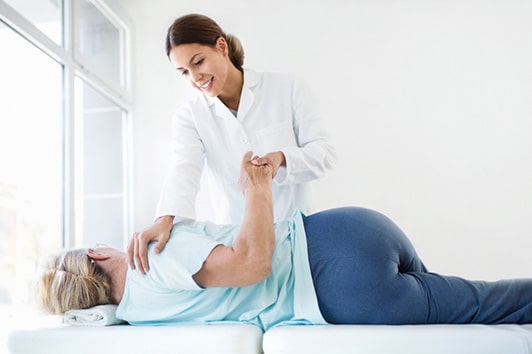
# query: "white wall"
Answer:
x=429 y=103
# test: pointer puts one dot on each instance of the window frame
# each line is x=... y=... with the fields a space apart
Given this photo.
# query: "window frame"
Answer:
x=120 y=95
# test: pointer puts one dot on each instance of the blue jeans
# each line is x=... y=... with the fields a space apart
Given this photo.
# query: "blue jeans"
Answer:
x=366 y=271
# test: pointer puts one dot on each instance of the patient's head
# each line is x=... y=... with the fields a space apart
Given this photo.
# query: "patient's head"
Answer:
x=71 y=280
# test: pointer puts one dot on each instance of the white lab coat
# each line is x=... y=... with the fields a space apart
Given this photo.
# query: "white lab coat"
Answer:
x=276 y=113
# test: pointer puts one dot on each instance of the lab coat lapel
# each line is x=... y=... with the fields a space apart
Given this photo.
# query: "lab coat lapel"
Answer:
x=247 y=96
x=246 y=101
x=221 y=109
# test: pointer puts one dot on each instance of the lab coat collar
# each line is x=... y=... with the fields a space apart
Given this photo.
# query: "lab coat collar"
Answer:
x=251 y=79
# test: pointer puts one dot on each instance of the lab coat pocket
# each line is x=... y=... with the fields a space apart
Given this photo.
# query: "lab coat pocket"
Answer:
x=273 y=138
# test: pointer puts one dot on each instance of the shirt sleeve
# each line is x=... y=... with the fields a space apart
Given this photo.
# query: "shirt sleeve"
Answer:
x=314 y=154
x=182 y=183
x=181 y=258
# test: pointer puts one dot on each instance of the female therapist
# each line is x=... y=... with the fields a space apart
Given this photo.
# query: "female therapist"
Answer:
x=236 y=110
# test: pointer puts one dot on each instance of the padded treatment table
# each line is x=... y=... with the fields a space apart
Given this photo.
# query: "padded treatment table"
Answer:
x=219 y=338
x=420 y=339
x=248 y=339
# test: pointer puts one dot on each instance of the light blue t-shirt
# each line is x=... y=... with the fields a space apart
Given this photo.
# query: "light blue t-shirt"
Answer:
x=167 y=294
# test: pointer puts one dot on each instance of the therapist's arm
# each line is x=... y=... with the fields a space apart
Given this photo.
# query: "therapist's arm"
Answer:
x=249 y=260
x=178 y=196
x=314 y=154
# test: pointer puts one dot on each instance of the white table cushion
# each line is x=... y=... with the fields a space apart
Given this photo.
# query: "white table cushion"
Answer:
x=420 y=339
x=216 y=339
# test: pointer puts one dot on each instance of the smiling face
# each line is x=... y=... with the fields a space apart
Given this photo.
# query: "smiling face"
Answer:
x=206 y=68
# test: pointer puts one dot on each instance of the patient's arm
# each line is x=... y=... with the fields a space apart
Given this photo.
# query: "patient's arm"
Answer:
x=248 y=260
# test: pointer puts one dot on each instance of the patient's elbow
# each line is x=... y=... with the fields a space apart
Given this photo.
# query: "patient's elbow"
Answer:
x=265 y=271
x=259 y=270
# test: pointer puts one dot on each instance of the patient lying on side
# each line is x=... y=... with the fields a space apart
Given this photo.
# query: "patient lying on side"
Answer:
x=346 y=265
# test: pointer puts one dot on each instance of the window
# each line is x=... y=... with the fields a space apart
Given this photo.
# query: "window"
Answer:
x=45 y=15
x=64 y=136
x=102 y=146
x=99 y=42
x=31 y=162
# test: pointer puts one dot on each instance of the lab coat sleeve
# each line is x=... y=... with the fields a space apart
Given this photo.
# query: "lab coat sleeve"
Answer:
x=314 y=154
x=181 y=186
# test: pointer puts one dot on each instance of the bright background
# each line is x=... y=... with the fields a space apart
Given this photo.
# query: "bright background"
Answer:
x=429 y=104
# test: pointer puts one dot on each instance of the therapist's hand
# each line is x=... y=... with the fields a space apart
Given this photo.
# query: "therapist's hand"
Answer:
x=254 y=177
x=273 y=159
x=137 y=250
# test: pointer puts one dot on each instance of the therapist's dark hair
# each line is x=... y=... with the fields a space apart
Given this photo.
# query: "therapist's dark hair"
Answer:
x=200 y=29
